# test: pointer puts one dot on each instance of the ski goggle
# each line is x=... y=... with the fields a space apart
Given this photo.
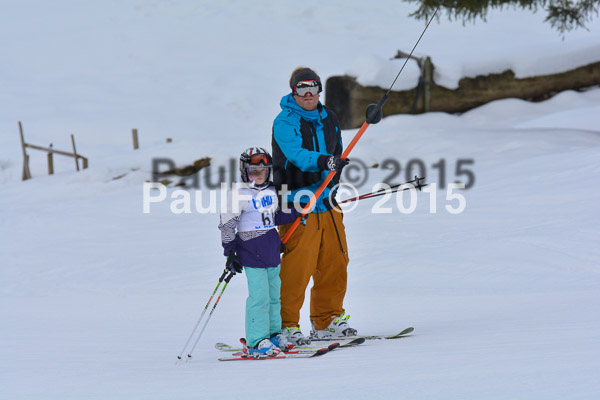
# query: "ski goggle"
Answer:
x=258 y=159
x=257 y=170
x=302 y=88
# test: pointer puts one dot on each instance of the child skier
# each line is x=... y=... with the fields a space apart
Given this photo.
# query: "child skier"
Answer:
x=250 y=240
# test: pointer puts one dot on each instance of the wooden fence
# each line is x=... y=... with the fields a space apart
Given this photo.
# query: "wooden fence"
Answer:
x=50 y=154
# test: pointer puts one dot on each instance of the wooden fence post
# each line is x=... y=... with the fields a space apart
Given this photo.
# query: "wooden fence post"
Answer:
x=50 y=161
x=75 y=156
x=136 y=144
x=26 y=172
x=428 y=66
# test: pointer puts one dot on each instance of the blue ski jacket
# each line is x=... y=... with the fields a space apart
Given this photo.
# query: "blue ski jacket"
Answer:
x=299 y=138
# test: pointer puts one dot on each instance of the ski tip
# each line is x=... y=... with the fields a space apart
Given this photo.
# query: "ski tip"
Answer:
x=404 y=333
x=333 y=346
x=320 y=352
x=354 y=342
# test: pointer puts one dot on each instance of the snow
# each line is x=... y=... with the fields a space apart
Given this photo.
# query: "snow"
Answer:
x=478 y=48
x=97 y=298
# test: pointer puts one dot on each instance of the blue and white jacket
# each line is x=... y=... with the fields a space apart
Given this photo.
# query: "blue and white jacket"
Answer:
x=248 y=225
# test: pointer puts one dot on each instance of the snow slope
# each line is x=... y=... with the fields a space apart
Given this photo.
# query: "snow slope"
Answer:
x=97 y=297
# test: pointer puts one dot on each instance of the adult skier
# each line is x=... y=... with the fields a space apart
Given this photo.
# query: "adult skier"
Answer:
x=307 y=145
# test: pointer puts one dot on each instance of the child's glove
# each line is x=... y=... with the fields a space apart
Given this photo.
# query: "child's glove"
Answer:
x=233 y=263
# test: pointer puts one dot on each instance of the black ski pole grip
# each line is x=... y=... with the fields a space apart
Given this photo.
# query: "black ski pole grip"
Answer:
x=223 y=275
x=231 y=274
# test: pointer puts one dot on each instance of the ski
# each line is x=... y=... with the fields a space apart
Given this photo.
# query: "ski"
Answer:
x=332 y=346
x=317 y=353
x=297 y=349
x=371 y=337
x=353 y=343
x=226 y=347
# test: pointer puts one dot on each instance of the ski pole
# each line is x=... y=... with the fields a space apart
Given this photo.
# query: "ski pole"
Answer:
x=395 y=188
x=227 y=279
x=203 y=312
x=374 y=114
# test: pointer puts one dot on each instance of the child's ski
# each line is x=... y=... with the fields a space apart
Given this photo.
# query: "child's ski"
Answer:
x=332 y=346
x=295 y=350
x=298 y=349
x=317 y=353
x=227 y=347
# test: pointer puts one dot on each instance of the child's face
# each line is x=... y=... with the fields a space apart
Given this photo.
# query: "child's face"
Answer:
x=258 y=174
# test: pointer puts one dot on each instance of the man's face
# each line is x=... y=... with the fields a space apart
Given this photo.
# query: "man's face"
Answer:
x=306 y=94
x=308 y=102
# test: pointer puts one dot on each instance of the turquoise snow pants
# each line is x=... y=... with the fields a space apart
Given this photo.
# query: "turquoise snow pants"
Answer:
x=263 y=306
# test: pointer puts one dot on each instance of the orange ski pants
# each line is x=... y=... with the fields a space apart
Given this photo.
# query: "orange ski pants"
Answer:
x=318 y=251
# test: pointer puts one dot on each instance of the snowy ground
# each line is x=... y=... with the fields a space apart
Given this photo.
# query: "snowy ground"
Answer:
x=97 y=297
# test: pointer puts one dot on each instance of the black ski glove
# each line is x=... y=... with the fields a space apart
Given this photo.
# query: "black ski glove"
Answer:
x=233 y=263
x=331 y=163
